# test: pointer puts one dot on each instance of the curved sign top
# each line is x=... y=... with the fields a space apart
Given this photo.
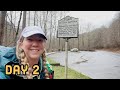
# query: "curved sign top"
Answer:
x=68 y=27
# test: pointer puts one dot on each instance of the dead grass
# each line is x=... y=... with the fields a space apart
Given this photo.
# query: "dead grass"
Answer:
x=114 y=50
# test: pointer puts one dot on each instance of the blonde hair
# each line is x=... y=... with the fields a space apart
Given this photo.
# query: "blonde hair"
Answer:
x=23 y=60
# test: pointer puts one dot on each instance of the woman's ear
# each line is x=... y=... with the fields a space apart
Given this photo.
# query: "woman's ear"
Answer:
x=20 y=47
x=20 y=44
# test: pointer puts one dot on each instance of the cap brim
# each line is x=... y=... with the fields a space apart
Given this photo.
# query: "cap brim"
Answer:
x=30 y=34
x=41 y=35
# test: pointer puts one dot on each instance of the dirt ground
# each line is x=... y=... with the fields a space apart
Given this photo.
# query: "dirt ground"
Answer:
x=115 y=50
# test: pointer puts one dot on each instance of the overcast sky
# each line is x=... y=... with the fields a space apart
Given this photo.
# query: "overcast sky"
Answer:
x=95 y=18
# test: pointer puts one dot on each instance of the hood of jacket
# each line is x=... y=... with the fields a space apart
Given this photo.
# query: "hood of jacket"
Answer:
x=6 y=57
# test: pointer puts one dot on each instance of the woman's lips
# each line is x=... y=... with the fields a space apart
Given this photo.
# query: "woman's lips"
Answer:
x=34 y=50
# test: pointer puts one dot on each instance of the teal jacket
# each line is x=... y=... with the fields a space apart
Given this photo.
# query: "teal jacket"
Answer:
x=8 y=56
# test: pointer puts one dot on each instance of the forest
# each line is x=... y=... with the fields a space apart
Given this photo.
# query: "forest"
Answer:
x=13 y=22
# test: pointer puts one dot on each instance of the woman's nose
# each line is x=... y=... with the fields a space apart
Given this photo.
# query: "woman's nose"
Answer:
x=35 y=43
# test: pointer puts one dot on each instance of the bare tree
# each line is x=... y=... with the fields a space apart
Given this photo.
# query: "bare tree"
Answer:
x=18 y=28
x=24 y=20
x=35 y=17
x=51 y=13
x=40 y=19
x=45 y=23
x=29 y=19
x=2 y=24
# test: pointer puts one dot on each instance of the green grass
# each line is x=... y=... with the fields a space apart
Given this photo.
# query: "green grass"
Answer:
x=59 y=72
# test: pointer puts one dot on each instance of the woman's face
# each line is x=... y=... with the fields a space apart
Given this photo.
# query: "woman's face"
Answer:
x=33 y=46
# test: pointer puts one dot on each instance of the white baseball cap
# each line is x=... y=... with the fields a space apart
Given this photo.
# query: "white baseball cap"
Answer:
x=31 y=30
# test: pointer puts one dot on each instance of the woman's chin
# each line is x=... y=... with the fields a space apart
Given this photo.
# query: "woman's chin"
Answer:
x=34 y=57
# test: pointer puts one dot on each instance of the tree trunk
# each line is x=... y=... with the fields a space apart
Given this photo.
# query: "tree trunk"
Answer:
x=2 y=24
x=29 y=19
x=45 y=23
x=18 y=28
x=24 y=20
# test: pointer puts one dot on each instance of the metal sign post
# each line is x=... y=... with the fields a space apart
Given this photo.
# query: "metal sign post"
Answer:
x=68 y=27
x=66 y=59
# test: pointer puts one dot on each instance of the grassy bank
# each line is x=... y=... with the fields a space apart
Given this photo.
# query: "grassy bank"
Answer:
x=59 y=72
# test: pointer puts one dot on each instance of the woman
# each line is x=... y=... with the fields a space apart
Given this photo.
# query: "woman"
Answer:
x=29 y=53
